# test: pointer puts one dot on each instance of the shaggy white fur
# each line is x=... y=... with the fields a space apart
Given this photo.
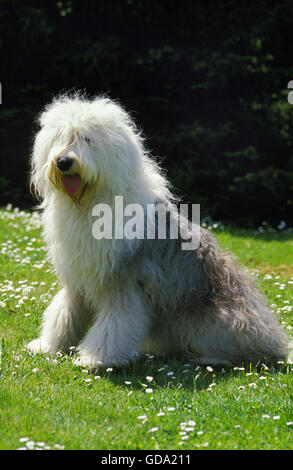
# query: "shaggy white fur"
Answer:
x=121 y=297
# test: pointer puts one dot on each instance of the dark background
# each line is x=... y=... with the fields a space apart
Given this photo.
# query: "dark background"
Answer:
x=206 y=81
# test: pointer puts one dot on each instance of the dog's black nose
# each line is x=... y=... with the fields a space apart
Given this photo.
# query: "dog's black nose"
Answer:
x=64 y=163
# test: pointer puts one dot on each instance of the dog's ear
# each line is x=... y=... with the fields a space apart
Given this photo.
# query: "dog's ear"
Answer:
x=39 y=157
x=35 y=180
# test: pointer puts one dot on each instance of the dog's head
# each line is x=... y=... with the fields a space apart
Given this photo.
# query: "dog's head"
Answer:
x=85 y=145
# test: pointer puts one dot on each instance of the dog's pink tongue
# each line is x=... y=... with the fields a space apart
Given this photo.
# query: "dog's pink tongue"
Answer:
x=72 y=183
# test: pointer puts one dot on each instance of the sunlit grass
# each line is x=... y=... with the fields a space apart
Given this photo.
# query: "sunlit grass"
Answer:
x=47 y=402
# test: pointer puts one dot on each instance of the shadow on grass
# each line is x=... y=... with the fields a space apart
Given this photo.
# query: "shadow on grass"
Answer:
x=175 y=374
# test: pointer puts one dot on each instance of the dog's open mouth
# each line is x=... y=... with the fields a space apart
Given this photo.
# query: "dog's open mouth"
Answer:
x=71 y=183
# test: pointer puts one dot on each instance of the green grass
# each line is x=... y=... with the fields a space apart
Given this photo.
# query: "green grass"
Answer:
x=49 y=400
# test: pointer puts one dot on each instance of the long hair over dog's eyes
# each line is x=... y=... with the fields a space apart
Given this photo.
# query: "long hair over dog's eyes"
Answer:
x=88 y=140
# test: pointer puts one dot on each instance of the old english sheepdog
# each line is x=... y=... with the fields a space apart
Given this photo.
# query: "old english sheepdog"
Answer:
x=125 y=295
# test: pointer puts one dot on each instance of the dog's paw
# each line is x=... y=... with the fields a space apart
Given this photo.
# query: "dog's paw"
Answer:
x=38 y=346
x=94 y=361
x=88 y=361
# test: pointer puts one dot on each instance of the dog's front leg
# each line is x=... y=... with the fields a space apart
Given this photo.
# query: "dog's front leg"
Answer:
x=64 y=324
x=119 y=331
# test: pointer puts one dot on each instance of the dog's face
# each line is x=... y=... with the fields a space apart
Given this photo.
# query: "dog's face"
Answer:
x=85 y=144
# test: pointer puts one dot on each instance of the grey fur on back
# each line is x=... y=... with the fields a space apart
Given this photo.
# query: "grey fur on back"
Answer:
x=205 y=306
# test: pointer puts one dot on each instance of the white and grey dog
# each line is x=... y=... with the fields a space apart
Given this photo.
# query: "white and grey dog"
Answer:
x=125 y=296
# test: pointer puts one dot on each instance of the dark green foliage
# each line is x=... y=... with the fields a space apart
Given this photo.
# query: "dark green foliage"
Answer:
x=205 y=80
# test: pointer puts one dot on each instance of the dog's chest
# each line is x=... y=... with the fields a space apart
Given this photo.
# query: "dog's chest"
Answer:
x=76 y=255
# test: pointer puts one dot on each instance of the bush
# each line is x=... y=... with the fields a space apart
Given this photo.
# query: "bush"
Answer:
x=207 y=83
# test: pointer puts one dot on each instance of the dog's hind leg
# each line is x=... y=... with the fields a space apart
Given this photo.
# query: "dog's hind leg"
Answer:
x=64 y=324
x=235 y=322
x=237 y=337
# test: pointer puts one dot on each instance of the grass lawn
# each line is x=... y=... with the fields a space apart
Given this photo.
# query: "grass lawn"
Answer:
x=152 y=404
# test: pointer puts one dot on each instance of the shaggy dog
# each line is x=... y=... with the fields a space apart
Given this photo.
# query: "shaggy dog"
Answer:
x=124 y=296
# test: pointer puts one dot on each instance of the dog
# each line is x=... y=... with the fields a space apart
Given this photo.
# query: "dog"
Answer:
x=126 y=296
